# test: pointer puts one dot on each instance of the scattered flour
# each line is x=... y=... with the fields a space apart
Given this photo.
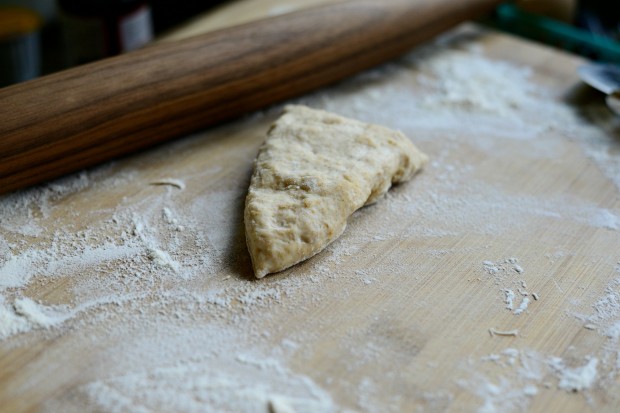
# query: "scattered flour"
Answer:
x=606 y=316
x=502 y=272
x=575 y=379
x=604 y=320
x=222 y=385
x=508 y=381
x=502 y=396
x=25 y=315
x=523 y=306
x=10 y=322
x=501 y=268
x=606 y=219
x=613 y=331
x=162 y=259
x=510 y=91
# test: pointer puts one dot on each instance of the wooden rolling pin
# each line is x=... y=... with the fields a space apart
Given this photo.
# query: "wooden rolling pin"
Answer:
x=83 y=116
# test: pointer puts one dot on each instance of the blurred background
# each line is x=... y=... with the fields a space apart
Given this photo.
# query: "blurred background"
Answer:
x=38 y=37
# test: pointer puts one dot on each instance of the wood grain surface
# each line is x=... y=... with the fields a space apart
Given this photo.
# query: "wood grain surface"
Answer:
x=80 y=117
x=395 y=315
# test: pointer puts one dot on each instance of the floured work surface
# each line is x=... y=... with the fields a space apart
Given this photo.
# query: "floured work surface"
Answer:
x=489 y=282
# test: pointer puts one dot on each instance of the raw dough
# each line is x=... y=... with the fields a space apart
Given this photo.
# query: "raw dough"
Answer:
x=312 y=173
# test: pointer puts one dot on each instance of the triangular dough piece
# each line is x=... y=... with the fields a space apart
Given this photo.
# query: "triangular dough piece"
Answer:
x=312 y=173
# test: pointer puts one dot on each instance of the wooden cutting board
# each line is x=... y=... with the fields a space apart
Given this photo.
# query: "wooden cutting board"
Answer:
x=128 y=287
